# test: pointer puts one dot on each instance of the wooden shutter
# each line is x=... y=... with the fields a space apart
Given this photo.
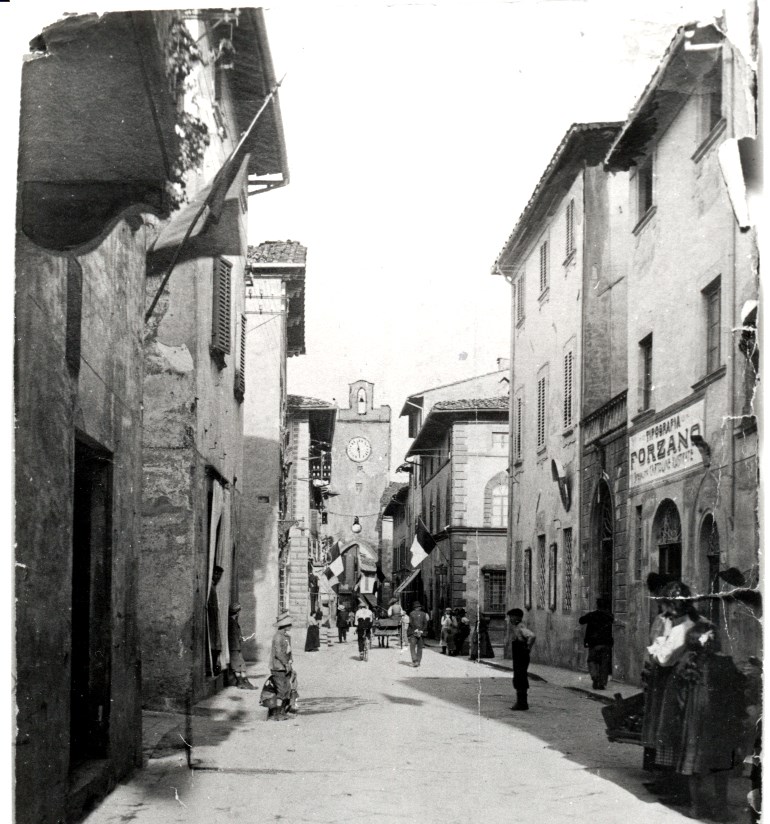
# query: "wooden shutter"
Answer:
x=240 y=372
x=567 y=414
x=541 y=412
x=570 y=227
x=544 y=266
x=220 y=322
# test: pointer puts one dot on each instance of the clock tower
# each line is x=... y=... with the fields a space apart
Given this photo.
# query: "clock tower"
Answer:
x=360 y=469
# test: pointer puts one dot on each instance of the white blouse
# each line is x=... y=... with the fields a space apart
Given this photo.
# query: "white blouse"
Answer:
x=668 y=648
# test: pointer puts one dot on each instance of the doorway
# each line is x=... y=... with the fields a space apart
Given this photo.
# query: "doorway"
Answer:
x=710 y=551
x=604 y=541
x=91 y=603
x=667 y=530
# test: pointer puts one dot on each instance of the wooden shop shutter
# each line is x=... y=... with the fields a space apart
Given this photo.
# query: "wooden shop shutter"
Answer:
x=220 y=323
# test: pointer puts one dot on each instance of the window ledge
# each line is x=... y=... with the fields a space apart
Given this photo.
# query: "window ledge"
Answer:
x=710 y=140
x=570 y=257
x=646 y=218
x=644 y=414
x=544 y=295
x=566 y=432
x=520 y=323
x=710 y=378
x=542 y=449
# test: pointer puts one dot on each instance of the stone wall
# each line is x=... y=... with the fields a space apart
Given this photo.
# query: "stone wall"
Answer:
x=94 y=394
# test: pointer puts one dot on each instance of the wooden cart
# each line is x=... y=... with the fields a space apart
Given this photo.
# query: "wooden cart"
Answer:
x=385 y=629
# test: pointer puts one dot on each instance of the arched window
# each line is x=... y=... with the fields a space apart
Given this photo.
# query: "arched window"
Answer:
x=667 y=532
x=500 y=505
x=362 y=401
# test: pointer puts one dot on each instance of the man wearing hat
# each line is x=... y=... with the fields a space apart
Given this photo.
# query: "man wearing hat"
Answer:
x=282 y=668
x=418 y=626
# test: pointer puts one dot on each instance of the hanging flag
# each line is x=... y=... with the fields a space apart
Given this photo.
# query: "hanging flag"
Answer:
x=423 y=544
x=331 y=580
x=380 y=574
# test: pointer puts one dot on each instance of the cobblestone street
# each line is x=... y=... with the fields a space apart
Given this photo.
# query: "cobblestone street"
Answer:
x=381 y=740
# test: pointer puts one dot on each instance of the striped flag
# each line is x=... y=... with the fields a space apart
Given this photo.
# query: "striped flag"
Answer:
x=423 y=544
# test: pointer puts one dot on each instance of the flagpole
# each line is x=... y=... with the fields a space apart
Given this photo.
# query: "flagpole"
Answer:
x=207 y=201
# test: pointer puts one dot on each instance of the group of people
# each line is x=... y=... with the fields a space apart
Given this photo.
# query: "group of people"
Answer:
x=695 y=706
x=455 y=629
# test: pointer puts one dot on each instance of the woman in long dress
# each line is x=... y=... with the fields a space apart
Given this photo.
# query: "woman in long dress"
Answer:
x=313 y=637
x=694 y=715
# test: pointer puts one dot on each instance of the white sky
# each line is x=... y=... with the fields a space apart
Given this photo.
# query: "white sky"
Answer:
x=415 y=136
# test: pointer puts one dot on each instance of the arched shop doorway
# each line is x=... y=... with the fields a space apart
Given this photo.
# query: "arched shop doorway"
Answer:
x=667 y=535
x=604 y=544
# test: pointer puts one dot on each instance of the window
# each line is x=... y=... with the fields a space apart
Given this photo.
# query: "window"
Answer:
x=543 y=266
x=552 y=559
x=566 y=603
x=541 y=385
x=519 y=293
x=570 y=228
x=645 y=373
x=567 y=409
x=528 y=578
x=644 y=188
x=711 y=100
x=518 y=419
x=220 y=322
x=713 y=297
x=500 y=505
x=494 y=590
x=639 y=534
x=74 y=312
x=541 y=571
x=240 y=372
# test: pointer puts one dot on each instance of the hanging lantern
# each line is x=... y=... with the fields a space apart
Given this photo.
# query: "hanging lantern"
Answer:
x=356 y=526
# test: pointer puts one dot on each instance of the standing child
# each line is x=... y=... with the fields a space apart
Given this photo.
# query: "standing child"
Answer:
x=522 y=641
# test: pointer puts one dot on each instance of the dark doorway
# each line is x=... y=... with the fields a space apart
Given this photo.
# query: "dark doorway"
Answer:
x=709 y=542
x=605 y=543
x=91 y=603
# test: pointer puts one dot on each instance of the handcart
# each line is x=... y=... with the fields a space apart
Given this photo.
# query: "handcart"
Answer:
x=624 y=719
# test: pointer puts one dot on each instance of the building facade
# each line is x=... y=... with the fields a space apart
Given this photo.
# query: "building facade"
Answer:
x=360 y=473
x=692 y=446
x=194 y=386
x=559 y=243
x=274 y=312
x=303 y=535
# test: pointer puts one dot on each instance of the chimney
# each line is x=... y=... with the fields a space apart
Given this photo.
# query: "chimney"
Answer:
x=503 y=363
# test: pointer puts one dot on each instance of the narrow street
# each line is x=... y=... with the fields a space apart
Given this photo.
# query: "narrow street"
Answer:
x=380 y=740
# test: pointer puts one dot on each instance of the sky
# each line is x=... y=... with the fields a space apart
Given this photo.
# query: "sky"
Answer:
x=415 y=135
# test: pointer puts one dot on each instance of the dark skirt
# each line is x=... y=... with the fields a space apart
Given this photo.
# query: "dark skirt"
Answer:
x=313 y=639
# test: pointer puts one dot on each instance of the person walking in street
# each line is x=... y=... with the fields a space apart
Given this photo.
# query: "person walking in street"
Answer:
x=237 y=667
x=598 y=639
x=418 y=626
x=313 y=637
x=342 y=624
x=282 y=669
x=396 y=613
x=522 y=641
x=448 y=632
x=364 y=620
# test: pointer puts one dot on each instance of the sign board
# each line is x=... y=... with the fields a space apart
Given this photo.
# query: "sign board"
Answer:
x=665 y=448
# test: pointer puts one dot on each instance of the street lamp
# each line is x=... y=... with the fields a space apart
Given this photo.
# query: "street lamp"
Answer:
x=356 y=527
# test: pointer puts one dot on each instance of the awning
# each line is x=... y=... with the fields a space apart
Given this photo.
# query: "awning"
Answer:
x=401 y=587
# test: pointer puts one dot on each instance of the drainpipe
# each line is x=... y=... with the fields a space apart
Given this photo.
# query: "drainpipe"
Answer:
x=511 y=446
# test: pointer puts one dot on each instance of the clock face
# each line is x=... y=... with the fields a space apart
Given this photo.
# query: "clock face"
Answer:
x=359 y=449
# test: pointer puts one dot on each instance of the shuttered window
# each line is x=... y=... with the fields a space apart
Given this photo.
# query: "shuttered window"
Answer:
x=518 y=423
x=220 y=322
x=570 y=234
x=540 y=572
x=567 y=583
x=541 y=412
x=543 y=266
x=240 y=373
x=567 y=411
x=519 y=298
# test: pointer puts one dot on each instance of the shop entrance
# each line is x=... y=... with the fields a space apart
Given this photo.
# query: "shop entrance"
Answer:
x=91 y=604
x=667 y=532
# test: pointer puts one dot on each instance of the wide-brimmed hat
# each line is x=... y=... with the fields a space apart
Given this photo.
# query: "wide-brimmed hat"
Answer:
x=283 y=620
x=236 y=607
